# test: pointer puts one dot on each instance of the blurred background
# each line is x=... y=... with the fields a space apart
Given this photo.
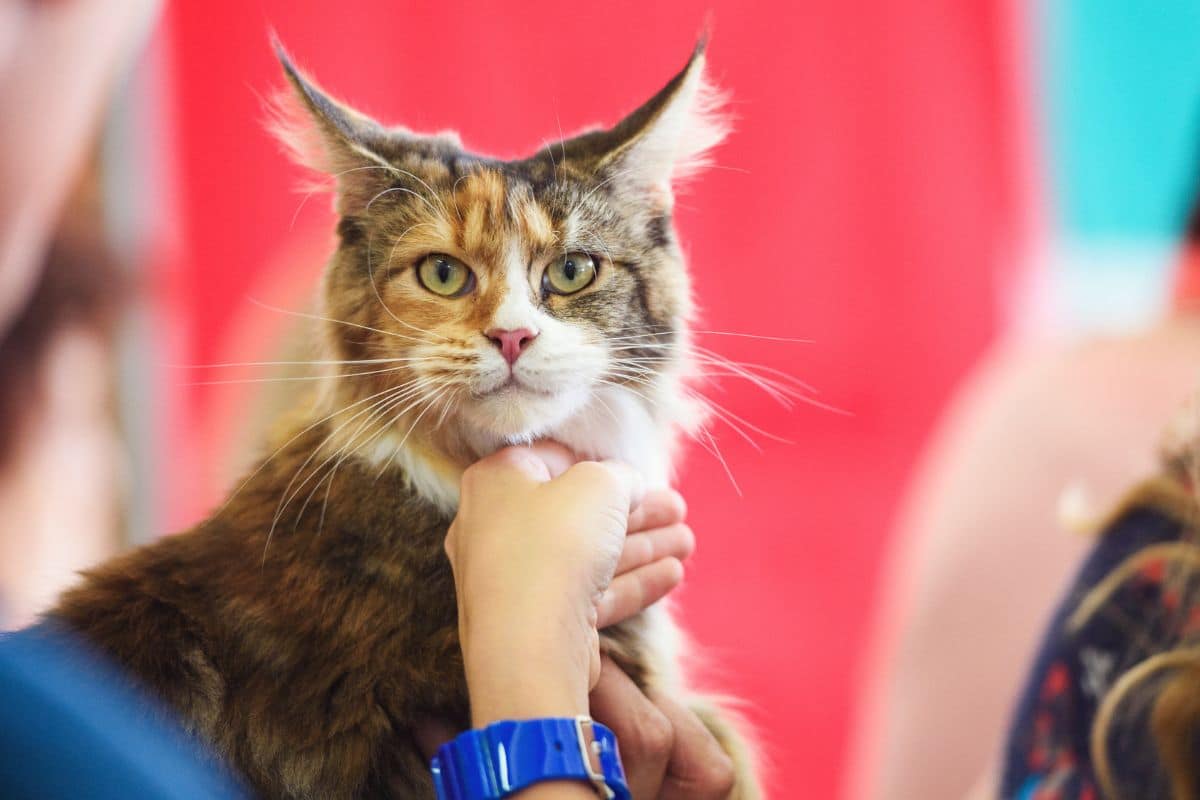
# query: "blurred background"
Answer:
x=972 y=213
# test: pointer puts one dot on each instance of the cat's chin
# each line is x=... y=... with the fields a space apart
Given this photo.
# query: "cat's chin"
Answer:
x=517 y=414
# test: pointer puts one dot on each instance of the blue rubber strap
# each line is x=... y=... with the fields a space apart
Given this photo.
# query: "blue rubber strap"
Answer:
x=508 y=756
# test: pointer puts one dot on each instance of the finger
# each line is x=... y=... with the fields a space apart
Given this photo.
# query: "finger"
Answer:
x=540 y=461
x=557 y=458
x=606 y=482
x=633 y=481
x=644 y=736
x=698 y=769
x=659 y=508
x=675 y=541
x=636 y=590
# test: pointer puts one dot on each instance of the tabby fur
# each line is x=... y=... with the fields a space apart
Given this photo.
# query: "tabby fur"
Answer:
x=307 y=628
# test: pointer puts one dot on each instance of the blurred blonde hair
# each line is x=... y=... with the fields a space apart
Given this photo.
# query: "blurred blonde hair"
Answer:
x=1162 y=691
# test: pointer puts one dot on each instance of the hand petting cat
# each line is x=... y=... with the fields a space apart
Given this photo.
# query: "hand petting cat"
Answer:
x=534 y=545
x=532 y=550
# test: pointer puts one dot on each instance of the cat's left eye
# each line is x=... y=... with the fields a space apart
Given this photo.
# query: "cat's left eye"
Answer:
x=569 y=274
x=445 y=275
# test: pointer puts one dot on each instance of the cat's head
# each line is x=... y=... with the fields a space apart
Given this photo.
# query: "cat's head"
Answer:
x=482 y=301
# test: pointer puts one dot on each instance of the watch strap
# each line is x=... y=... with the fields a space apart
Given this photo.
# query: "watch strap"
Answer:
x=505 y=757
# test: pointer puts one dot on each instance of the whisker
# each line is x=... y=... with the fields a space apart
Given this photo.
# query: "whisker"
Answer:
x=344 y=450
x=403 y=190
x=421 y=181
x=711 y=448
x=230 y=364
x=284 y=500
x=289 y=379
x=375 y=285
x=262 y=465
x=755 y=336
x=454 y=194
x=396 y=450
x=723 y=412
x=721 y=458
x=314 y=190
x=347 y=450
x=330 y=319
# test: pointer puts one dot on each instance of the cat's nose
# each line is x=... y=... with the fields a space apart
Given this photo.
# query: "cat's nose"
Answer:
x=511 y=343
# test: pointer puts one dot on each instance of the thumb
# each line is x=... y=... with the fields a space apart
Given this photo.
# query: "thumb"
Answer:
x=538 y=462
x=606 y=483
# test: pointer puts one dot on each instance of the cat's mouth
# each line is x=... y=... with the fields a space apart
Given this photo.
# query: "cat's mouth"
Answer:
x=512 y=385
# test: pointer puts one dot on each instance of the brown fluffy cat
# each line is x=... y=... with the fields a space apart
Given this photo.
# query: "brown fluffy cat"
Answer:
x=308 y=626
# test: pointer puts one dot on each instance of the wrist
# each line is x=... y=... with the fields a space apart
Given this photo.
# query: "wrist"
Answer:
x=522 y=673
x=524 y=680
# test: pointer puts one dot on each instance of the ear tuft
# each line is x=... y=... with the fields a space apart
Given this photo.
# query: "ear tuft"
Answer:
x=705 y=124
x=318 y=132
x=671 y=137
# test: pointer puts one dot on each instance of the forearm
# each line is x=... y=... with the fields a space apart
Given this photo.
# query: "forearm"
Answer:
x=525 y=674
x=523 y=679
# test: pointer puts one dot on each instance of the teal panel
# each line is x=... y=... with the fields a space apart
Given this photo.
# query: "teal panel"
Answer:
x=1121 y=105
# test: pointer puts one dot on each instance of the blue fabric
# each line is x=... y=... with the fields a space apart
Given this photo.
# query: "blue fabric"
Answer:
x=71 y=726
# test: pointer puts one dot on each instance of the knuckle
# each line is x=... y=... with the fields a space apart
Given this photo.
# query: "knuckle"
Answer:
x=593 y=471
x=639 y=549
x=472 y=476
x=687 y=538
x=601 y=477
x=718 y=774
x=678 y=504
x=653 y=734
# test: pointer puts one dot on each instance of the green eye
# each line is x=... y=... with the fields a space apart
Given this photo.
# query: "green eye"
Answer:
x=445 y=275
x=569 y=274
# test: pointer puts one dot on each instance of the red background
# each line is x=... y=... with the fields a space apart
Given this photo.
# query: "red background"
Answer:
x=870 y=195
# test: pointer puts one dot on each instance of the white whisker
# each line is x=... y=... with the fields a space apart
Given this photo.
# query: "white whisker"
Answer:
x=330 y=319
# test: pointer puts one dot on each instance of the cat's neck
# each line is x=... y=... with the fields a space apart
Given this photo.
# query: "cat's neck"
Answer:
x=615 y=425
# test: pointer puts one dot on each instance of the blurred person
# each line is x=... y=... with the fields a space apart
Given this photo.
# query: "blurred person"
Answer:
x=985 y=551
x=1040 y=441
x=1048 y=432
x=1111 y=706
x=60 y=464
x=60 y=452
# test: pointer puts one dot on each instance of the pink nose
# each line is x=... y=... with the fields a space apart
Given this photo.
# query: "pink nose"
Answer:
x=511 y=343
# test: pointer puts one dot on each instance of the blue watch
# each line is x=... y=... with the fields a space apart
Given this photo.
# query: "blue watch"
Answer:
x=505 y=757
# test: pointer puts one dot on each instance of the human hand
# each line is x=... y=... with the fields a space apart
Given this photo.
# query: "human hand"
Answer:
x=534 y=546
x=649 y=567
x=652 y=556
x=667 y=752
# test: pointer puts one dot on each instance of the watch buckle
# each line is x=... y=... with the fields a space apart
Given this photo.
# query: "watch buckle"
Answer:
x=591 y=757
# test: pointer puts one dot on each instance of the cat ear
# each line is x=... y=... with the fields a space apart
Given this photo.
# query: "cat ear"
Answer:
x=329 y=137
x=670 y=137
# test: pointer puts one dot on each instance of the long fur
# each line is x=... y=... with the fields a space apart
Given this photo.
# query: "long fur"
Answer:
x=308 y=626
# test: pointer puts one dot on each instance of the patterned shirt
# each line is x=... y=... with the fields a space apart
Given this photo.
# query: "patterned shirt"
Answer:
x=1047 y=753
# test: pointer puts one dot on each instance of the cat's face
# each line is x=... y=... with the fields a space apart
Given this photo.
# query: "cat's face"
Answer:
x=503 y=299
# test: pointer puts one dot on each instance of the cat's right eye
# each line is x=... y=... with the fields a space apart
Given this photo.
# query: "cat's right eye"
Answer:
x=445 y=275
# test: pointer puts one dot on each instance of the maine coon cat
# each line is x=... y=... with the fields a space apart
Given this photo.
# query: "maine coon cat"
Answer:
x=308 y=626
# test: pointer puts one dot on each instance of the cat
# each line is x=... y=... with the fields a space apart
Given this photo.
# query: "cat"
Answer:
x=308 y=626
